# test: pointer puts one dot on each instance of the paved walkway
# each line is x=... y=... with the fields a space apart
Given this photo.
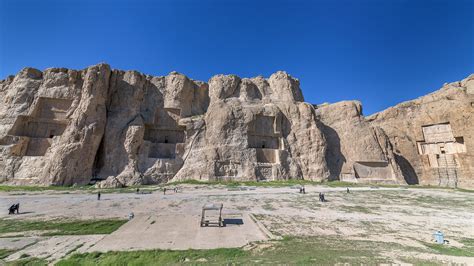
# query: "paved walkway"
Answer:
x=53 y=248
x=175 y=231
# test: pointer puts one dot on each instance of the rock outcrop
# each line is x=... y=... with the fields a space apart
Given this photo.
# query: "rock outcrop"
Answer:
x=65 y=127
x=122 y=128
x=433 y=135
x=143 y=117
x=52 y=125
x=255 y=129
x=357 y=150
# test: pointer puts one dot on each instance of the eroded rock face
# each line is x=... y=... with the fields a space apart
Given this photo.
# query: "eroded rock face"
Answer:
x=248 y=134
x=433 y=135
x=357 y=151
x=72 y=156
x=52 y=125
x=65 y=127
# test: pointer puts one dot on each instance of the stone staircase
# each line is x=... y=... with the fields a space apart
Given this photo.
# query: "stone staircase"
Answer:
x=447 y=170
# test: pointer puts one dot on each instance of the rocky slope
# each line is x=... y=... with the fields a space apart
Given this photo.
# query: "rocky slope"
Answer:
x=65 y=127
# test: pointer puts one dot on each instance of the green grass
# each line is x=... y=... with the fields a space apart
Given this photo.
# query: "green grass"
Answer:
x=92 y=189
x=279 y=183
x=321 y=250
x=465 y=190
x=343 y=184
x=466 y=251
x=6 y=252
x=325 y=250
x=348 y=184
x=7 y=188
x=88 y=189
x=441 y=202
x=74 y=249
x=29 y=261
x=268 y=206
x=420 y=262
x=361 y=209
x=293 y=182
x=155 y=257
x=56 y=227
x=291 y=250
x=131 y=189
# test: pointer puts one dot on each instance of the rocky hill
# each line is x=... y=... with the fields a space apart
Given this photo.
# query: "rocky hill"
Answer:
x=121 y=128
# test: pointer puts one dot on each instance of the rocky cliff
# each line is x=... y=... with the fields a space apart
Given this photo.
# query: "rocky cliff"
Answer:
x=357 y=151
x=65 y=127
x=434 y=135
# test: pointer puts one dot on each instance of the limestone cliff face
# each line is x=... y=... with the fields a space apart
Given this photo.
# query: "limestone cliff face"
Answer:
x=52 y=124
x=433 y=135
x=255 y=129
x=65 y=127
x=357 y=151
x=143 y=141
x=72 y=156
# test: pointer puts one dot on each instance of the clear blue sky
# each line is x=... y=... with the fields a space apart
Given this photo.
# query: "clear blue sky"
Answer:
x=379 y=52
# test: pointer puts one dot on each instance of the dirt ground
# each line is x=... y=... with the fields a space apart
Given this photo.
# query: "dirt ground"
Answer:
x=406 y=216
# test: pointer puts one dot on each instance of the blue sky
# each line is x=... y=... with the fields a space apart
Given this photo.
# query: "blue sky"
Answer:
x=378 y=52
